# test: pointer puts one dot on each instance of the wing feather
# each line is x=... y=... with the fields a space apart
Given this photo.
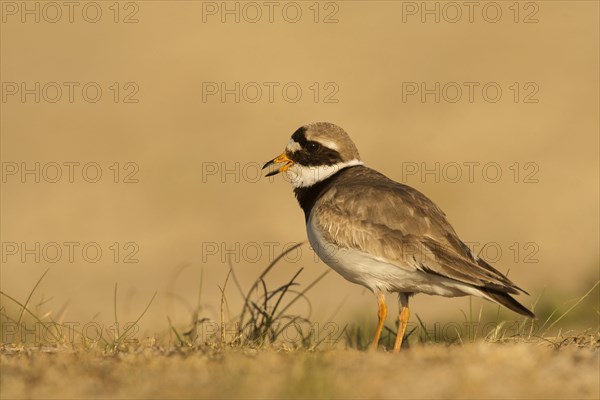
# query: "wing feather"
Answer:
x=369 y=212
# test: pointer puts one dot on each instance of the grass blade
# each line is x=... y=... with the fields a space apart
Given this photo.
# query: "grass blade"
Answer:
x=29 y=297
x=574 y=305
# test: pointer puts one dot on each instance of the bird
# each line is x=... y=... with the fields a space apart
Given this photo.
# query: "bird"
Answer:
x=379 y=233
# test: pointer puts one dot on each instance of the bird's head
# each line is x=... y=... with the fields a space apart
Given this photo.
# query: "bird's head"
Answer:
x=314 y=153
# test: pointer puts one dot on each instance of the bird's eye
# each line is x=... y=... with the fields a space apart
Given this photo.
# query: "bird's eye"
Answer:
x=312 y=146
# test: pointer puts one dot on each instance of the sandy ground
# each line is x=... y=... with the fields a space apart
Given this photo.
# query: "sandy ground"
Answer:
x=478 y=370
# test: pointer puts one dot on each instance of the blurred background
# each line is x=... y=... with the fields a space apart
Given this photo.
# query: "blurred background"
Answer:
x=132 y=135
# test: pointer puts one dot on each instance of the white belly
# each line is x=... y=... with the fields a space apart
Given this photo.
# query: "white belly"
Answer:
x=376 y=274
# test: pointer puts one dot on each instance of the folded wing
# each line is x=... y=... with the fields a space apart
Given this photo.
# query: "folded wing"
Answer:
x=402 y=227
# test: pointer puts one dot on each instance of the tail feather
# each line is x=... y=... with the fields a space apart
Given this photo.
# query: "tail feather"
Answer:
x=510 y=286
x=507 y=301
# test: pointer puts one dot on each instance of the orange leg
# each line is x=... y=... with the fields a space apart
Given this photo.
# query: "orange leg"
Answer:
x=403 y=321
x=381 y=314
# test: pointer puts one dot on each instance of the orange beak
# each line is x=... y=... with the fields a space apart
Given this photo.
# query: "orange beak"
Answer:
x=278 y=160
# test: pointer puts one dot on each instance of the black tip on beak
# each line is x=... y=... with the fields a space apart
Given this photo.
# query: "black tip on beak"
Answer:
x=274 y=172
x=268 y=163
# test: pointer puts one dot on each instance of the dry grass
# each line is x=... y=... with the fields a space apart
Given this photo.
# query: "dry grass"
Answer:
x=478 y=370
x=253 y=360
